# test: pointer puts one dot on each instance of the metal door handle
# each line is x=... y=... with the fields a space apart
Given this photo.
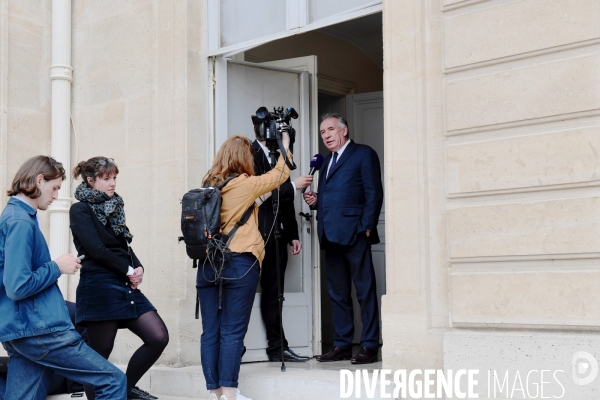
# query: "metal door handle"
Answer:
x=306 y=216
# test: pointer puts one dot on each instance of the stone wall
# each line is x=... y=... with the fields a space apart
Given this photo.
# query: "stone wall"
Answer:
x=492 y=107
x=415 y=307
x=139 y=97
x=25 y=95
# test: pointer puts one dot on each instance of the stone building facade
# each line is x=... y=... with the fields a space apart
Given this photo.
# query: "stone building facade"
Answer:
x=492 y=162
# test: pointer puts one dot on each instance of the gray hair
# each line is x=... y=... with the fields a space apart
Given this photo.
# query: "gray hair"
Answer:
x=341 y=121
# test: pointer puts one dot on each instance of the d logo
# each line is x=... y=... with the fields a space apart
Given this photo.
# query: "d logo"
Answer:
x=585 y=368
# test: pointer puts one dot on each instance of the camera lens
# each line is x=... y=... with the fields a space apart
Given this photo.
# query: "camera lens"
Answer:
x=262 y=112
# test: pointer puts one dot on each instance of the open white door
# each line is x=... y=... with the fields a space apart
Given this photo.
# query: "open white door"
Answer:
x=240 y=88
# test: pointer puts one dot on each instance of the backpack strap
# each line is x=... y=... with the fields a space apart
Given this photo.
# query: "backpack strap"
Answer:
x=241 y=222
x=222 y=184
x=225 y=182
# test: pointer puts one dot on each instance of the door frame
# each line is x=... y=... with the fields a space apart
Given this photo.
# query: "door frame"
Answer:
x=217 y=128
x=296 y=23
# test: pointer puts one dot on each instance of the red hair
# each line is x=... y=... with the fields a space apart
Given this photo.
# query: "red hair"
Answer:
x=234 y=158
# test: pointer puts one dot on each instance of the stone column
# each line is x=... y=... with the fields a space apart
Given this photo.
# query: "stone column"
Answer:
x=61 y=74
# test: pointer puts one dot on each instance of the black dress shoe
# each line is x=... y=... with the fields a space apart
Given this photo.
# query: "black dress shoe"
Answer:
x=337 y=354
x=135 y=393
x=288 y=355
x=365 y=356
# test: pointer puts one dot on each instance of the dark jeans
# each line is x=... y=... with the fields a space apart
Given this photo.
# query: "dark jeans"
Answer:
x=346 y=264
x=2 y=386
x=33 y=361
x=223 y=330
x=269 y=300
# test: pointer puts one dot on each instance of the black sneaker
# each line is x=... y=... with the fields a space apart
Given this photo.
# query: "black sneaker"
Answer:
x=136 y=393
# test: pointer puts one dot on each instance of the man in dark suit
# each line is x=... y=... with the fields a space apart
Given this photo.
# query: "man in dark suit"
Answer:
x=269 y=304
x=348 y=206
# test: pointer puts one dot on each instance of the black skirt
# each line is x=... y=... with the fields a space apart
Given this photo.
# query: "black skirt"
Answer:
x=105 y=296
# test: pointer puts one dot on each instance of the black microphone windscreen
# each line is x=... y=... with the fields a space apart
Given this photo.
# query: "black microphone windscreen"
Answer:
x=317 y=161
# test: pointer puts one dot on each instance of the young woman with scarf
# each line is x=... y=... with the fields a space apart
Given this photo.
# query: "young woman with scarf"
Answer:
x=108 y=297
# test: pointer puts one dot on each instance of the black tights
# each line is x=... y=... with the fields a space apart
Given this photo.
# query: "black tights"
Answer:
x=149 y=327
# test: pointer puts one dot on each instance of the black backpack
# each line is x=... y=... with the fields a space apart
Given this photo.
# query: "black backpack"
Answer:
x=201 y=222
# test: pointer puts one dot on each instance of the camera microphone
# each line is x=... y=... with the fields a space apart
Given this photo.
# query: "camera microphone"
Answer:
x=315 y=164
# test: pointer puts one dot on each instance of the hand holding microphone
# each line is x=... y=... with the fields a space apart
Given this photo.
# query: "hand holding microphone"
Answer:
x=302 y=182
x=315 y=164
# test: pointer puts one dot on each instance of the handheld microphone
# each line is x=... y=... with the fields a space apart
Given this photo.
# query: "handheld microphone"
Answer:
x=315 y=164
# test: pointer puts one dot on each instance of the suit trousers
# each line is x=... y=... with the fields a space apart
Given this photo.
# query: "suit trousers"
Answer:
x=346 y=264
x=269 y=300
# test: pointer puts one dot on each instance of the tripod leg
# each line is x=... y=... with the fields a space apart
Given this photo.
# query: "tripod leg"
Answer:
x=275 y=200
x=278 y=266
x=279 y=292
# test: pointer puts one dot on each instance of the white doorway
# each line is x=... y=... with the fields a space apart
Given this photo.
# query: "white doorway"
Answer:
x=240 y=88
x=345 y=76
x=364 y=113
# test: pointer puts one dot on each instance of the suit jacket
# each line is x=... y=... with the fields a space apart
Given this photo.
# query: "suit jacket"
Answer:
x=350 y=198
x=101 y=247
x=287 y=211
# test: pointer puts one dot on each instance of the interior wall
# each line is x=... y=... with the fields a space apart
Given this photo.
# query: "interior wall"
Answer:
x=332 y=55
x=327 y=104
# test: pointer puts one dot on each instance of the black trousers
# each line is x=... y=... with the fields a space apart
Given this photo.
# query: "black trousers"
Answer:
x=269 y=301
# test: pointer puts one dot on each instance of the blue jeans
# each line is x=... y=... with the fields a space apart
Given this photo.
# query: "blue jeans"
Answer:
x=33 y=361
x=223 y=330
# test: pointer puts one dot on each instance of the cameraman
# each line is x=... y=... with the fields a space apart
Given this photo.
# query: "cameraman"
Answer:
x=269 y=304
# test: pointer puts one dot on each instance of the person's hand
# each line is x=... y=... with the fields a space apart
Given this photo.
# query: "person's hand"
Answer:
x=310 y=198
x=302 y=182
x=285 y=140
x=68 y=264
x=296 y=247
x=136 y=278
x=368 y=233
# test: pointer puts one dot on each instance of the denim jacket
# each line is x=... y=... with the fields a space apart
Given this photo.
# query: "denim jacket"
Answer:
x=31 y=303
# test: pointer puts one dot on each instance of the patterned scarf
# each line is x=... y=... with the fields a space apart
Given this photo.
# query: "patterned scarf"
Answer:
x=106 y=209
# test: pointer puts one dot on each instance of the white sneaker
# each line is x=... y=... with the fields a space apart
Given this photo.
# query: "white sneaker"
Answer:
x=213 y=396
x=240 y=396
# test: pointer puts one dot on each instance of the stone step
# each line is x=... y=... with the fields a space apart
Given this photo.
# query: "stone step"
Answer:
x=68 y=396
x=257 y=380
x=261 y=380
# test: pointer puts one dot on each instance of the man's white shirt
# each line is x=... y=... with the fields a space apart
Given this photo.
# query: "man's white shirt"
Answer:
x=339 y=154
